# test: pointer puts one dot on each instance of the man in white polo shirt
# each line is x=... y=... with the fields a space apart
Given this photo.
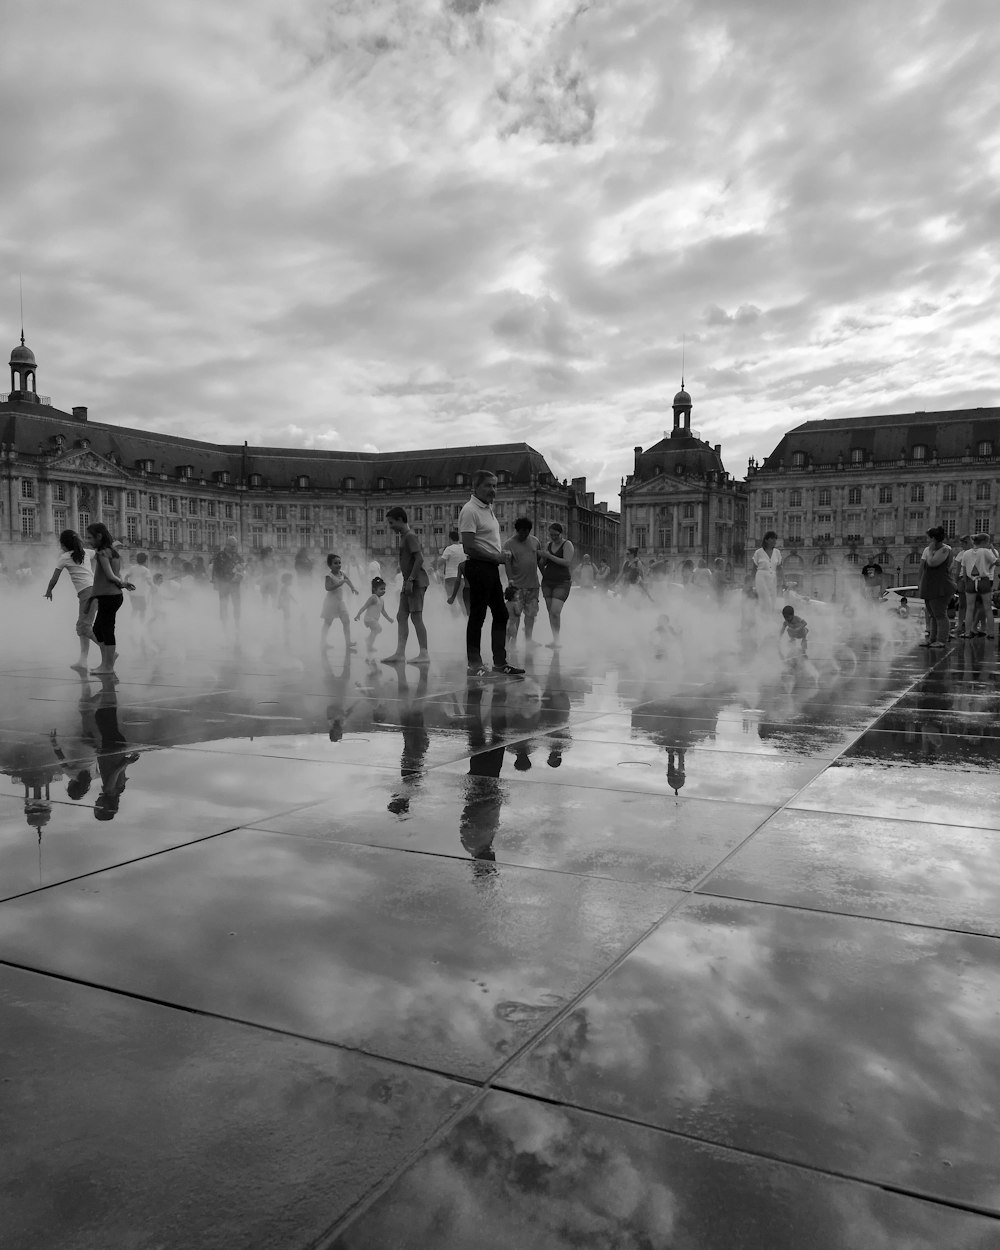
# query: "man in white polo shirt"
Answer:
x=480 y=533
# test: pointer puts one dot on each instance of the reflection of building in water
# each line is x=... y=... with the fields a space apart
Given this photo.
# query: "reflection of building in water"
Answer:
x=675 y=770
x=841 y=491
x=159 y=491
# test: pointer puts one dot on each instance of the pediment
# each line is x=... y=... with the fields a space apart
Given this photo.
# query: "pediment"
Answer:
x=664 y=484
x=86 y=461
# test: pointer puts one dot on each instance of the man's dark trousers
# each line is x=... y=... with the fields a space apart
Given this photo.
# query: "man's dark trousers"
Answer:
x=485 y=592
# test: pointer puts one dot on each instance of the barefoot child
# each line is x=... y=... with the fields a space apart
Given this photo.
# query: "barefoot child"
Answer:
x=461 y=587
x=286 y=602
x=373 y=610
x=411 y=594
x=795 y=627
x=334 y=607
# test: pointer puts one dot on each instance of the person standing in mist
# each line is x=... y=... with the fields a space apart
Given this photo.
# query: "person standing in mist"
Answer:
x=227 y=575
x=72 y=560
x=767 y=561
x=480 y=533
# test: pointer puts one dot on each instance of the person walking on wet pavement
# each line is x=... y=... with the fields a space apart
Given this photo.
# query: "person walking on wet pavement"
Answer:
x=411 y=595
x=480 y=533
x=227 y=577
x=557 y=581
x=334 y=608
x=936 y=586
x=107 y=590
x=450 y=559
x=72 y=559
x=978 y=566
x=522 y=577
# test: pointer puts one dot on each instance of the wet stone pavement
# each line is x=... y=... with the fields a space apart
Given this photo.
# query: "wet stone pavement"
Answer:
x=355 y=957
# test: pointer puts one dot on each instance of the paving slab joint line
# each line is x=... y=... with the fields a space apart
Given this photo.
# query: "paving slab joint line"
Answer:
x=326 y=1240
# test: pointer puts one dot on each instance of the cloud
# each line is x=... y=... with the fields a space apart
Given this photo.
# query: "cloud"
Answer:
x=388 y=219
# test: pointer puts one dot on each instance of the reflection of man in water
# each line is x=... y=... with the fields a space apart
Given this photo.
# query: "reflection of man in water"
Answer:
x=111 y=758
x=337 y=710
x=480 y=818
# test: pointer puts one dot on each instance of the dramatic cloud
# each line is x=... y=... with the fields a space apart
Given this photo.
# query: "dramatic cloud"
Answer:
x=413 y=222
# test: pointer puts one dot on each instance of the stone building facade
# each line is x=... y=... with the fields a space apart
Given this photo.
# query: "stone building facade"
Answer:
x=160 y=492
x=679 y=503
x=841 y=492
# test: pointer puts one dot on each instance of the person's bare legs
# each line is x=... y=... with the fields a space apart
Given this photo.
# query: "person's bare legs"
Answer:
x=402 y=636
x=420 y=629
x=345 y=620
x=555 y=607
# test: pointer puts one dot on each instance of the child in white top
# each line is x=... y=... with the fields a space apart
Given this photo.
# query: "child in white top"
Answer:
x=72 y=559
x=373 y=610
x=334 y=608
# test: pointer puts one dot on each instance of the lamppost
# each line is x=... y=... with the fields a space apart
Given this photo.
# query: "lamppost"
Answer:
x=899 y=574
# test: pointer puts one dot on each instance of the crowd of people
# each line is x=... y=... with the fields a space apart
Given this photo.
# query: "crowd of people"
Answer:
x=480 y=574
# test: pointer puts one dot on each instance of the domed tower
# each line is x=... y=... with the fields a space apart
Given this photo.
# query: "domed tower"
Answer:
x=22 y=374
x=682 y=414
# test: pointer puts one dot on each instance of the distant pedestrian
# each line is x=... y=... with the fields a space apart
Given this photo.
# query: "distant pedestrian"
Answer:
x=450 y=559
x=480 y=534
x=936 y=586
x=767 y=561
x=228 y=571
x=412 y=591
x=587 y=574
x=73 y=560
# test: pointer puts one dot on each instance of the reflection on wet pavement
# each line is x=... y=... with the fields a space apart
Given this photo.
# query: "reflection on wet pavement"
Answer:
x=545 y=962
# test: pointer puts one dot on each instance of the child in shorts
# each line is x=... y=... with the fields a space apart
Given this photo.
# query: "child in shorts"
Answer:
x=373 y=610
x=795 y=627
x=334 y=608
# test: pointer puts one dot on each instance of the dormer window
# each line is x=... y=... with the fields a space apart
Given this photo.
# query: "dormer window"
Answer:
x=918 y=452
x=144 y=466
x=58 y=440
x=255 y=481
x=222 y=477
x=83 y=443
x=985 y=448
x=349 y=483
x=857 y=455
x=503 y=477
x=302 y=482
x=460 y=479
x=185 y=470
x=798 y=460
x=383 y=483
x=423 y=480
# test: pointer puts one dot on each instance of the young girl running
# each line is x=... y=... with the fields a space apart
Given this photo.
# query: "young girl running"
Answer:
x=334 y=607
x=373 y=609
x=72 y=560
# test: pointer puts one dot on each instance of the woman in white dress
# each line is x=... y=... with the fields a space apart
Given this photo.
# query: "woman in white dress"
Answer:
x=767 y=561
x=72 y=560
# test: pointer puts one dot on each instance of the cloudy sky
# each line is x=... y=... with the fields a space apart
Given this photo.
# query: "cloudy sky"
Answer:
x=404 y=223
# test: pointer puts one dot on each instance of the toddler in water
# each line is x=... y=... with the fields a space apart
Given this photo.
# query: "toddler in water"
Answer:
x=334 y=607
x=663 y=635
x=373 y=610
x=795 y=627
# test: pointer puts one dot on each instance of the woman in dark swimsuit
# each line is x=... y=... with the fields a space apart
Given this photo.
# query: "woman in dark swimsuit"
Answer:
x=556 y=577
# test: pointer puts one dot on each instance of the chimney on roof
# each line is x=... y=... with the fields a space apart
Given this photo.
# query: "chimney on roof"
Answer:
x=80 y=412
x=718 y=449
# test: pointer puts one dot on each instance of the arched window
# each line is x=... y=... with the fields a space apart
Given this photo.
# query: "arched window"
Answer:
x=918 y=452
x=255 y=480
x=822 y=558
x=852 y=557
x=985 y=448
x=349 y=483
x=302 y=481
x=913 y=557
x=798 y=459
x=857 y=455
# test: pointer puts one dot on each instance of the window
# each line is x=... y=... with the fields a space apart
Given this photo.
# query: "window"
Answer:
x=27 y=488
x=223 y=477
x=825 y=497
x=229 y=529
x=154 y=503
x=352 y=516
x=257 y=511
x=131 y=500
x=915 y=516
x=664 y=537
x=255 y=481
x=852 y=557
x=885 y=494
x=916 y=493
x=305 y=536
x=982 y=490
x=885 y=526
x=857 y=455
x=913 y=557
x=688 y=511
x=460 y=480
x=210 y=509
x=173 y=504
x=766 y=523
x=383 y=483
x=380 y=514
x=822 y=558
x=438 y=512
x=950 y=526
x=256 y=537
x=192 y=507
x=84 y=521
x=59 y=492
x=981 y=523
x=281 y=537
x=984 y=448
x=949 y=492
x=328 y=538
x=173 y=532
x=423 y=480
x=107 y=496
x=793 y=527
x=227 y=511
x=349 y=483
x=132 y=529
x=798 y=459
x=27 y=522
x=418 y=514
x=194 y=534
x=918 y=452
x=153 y=529
x=211 y=537
x=60 y=518
x=854 y=495
x=767 y=499
x=185 y=470
x=302 y=482
x=795 y=499
x=824 y=518
x=639 y=536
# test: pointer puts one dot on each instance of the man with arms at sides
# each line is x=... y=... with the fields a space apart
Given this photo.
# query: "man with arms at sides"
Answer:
x=411 y=595
x=480 y=534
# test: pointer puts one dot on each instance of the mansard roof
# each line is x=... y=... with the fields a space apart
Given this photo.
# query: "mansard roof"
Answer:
x=686 y=456
x=948 y=433
x=33 y=431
